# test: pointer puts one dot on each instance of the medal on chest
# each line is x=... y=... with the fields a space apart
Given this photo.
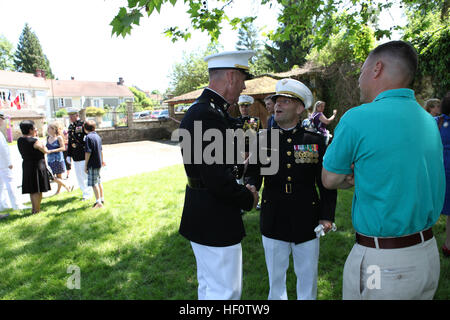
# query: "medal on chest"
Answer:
x=306 y=153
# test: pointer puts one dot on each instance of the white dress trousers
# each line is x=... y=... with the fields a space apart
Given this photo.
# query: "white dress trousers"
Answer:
x=219 y=271
x=306 y=260
x=82 y=179
x=6 y=180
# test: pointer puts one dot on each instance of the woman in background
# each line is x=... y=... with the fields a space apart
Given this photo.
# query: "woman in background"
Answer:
x=319 y=122
x=444 y=129
x=55 y=158
x=67 y=159
x=433 y=107
x=35 y=179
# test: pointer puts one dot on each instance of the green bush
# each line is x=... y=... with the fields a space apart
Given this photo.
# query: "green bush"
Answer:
x=61 y=113
x=94 y=111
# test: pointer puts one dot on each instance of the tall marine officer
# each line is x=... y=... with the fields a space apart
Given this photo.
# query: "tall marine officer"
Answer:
x=211 y=218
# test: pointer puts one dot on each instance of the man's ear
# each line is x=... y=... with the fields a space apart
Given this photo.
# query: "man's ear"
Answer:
x=230 y=77
x=300 y=107
x=378 y=68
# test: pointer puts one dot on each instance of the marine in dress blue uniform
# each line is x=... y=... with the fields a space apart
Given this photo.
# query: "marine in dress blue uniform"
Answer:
x=251 y=126
x=75 y=150
x=211 y=217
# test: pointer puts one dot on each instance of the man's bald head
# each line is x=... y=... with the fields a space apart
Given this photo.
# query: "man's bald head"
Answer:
x=400 y=60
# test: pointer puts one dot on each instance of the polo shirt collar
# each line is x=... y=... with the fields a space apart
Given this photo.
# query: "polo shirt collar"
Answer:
x=404 y=92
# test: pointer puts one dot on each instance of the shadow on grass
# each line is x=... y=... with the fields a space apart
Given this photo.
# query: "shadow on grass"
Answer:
x=160 y=268
x=45 y=206
x=151 y=262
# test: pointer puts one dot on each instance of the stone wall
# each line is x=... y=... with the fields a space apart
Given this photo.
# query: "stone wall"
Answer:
x=139 y=131
x=38 y=122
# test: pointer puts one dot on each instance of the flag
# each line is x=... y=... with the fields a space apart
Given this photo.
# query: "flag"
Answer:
x=9 y=98
x=17 y=102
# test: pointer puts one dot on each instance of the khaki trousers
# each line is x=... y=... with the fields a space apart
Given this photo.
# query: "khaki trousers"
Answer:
x=390 y=274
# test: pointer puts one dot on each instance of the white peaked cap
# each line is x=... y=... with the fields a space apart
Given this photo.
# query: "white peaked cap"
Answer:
x=246 y=99
x=72 y=110
x=230 y=60
x=294 y=89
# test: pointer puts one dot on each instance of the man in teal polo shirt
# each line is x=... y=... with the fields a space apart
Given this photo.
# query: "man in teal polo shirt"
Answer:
x=389 y=148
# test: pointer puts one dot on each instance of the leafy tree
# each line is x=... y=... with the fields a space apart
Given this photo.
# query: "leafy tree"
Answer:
x=423 y=7
x=6 y=54
x=319 y=19
x=325 y=23
x=191 y=73
x=345 y=48
x=29 y=55
x=287 y=49
x=285 y=53
x=248 y=38
x=141 y=101
x=431 y=37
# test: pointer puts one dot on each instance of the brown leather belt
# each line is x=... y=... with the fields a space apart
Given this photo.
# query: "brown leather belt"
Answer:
x=396 y=242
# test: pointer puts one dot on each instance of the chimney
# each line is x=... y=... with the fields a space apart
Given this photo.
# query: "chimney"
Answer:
x=39 y=73
x=120 y=83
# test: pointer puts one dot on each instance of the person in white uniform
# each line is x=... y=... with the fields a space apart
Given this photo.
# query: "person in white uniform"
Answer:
x=6 y=175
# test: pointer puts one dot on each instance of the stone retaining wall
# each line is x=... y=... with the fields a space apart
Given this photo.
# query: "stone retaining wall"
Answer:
x=139 y=131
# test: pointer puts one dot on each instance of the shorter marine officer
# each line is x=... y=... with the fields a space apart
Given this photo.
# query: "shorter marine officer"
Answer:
x=291 y=206
x=75 y=150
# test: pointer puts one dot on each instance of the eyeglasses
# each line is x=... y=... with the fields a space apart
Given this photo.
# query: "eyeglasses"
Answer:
x=284 y=101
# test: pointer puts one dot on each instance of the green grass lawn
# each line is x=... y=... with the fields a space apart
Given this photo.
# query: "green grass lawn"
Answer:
x=131 y=249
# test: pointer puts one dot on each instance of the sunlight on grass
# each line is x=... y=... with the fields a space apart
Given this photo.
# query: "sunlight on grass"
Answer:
x=131 y=249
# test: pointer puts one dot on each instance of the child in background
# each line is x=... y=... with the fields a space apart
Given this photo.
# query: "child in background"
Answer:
x=94 y=161
x=67 y=159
